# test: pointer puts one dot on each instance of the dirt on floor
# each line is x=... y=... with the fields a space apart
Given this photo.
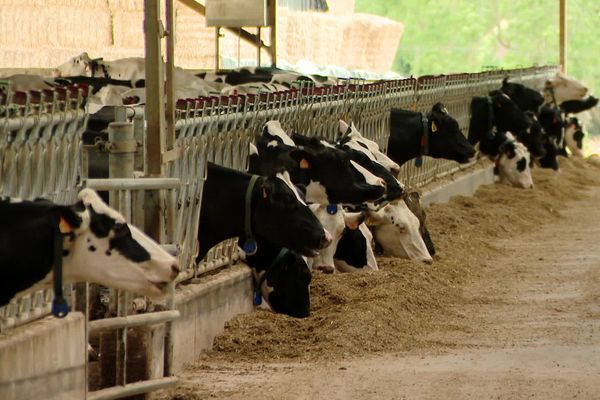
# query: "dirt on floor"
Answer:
x=361 y=321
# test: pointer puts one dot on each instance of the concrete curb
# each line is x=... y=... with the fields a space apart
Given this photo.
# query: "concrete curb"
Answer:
x=464 y=185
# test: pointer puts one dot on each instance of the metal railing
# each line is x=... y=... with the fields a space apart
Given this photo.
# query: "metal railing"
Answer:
x=40 y=145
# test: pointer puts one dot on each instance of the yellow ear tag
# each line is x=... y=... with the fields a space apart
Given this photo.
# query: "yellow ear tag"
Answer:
x=433 y=126
x=64 y=227
x=304 y=164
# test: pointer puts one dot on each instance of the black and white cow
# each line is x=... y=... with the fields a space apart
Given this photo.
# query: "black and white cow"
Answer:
x=360 y=155
x=574 y=137
x=561 y=88
x=278 y=213
x=283 y=278
x=354 y=252
x=525 y=98
x=577 y=106
x=329 y=175
x=534 y=137
x=396 y=230
x=445 y=140
x=98 y=246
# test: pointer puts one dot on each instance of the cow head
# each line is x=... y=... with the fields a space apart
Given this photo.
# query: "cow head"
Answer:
x=281 y=217
x=284 y=279
x=334 y=219
x=354 y=252
x=507 y=115
x=574 y=137
x=513 y=163
x=354 y=139
x=445 y=137
x=397 y=232
x=562 y=88
x=102 y=247
x=525 y=98
x=533 y=137
x=76 y=66
x=413 y=202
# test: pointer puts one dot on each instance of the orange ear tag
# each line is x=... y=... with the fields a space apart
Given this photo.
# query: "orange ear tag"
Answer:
x=304 y=164
x=433 y=126
x=64 y=227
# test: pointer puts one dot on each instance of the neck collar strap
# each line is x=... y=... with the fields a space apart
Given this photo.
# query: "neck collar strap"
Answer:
x=250 y=245
x=258 y=283
x=60 y=308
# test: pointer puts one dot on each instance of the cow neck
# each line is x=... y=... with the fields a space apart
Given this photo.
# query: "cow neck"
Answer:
x=490 y=126
x=222 y=215
x=551 y=91
x=423 y=141
x=249 y=245
x=409 y=145
x=258 y=282
x=60 y=308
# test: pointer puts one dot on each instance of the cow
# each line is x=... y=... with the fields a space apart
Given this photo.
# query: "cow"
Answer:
x=328 y=174
x=351 y=137
x=413 y=202
x=495 y=111
x=561 y=88
x=525 y=98
x=513 y=161
x=270 y=208
x=98 y=246
x=281 y=277
x=271 y=75
x=409 y=130
x=552 y=120
x=354 y=252
x=396 y=230
x=533 y=137
x=577 y=106
x=27 y=82
x=334 y=219
x=362 y=156
x=574 y=137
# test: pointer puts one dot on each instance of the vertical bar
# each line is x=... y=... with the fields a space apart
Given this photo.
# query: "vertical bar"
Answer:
x=258 y=46
x=273 y=24
x=170 y=119
x=217 y=51
x=563 y=35
x=154 y=114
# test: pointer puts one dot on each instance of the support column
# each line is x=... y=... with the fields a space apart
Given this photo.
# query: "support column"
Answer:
x=563 y=35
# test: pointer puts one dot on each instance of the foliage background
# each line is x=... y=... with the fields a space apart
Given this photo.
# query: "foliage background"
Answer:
x=444 y=36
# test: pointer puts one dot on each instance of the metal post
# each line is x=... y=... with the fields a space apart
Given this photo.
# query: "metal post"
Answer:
x=121 y=154
x=258 y=46
x=273 y=24
x=563 y=35
x=217 y=50
x=155 y=114
x=170 y=120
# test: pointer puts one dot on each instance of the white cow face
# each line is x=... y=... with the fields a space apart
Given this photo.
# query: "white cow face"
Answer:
x=397 y=231
x=513 y=164
x=76 y=66
x=565 y=88
x=358 y=140
x=332 y=218
x=104 y=249
x=574 y=137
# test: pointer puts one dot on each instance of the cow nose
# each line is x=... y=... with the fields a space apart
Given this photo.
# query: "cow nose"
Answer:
x=174 y=271
x=326 y=239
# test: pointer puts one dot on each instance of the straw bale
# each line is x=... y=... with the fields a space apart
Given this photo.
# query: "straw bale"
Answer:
x=128 y=29
x=126 y=5
x=341 y=7
x=53 y=3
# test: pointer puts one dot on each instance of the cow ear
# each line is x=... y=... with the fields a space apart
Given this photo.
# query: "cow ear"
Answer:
x=65 y=218
x=353 y=220
x=344 y=127
x=509 y=150
x=505 y=81
x=302 y=157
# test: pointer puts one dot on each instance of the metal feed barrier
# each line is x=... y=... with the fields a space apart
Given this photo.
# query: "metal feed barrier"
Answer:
x=40 y=153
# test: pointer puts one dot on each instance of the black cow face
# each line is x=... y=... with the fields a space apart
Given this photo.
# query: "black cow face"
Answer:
x=550 y=160
x=287 y=287
x=525 y=98
x=551 y=120
x=507 y=115
x=281 y=217
x=533 y=137
x=445 y=137
x=332 y=177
